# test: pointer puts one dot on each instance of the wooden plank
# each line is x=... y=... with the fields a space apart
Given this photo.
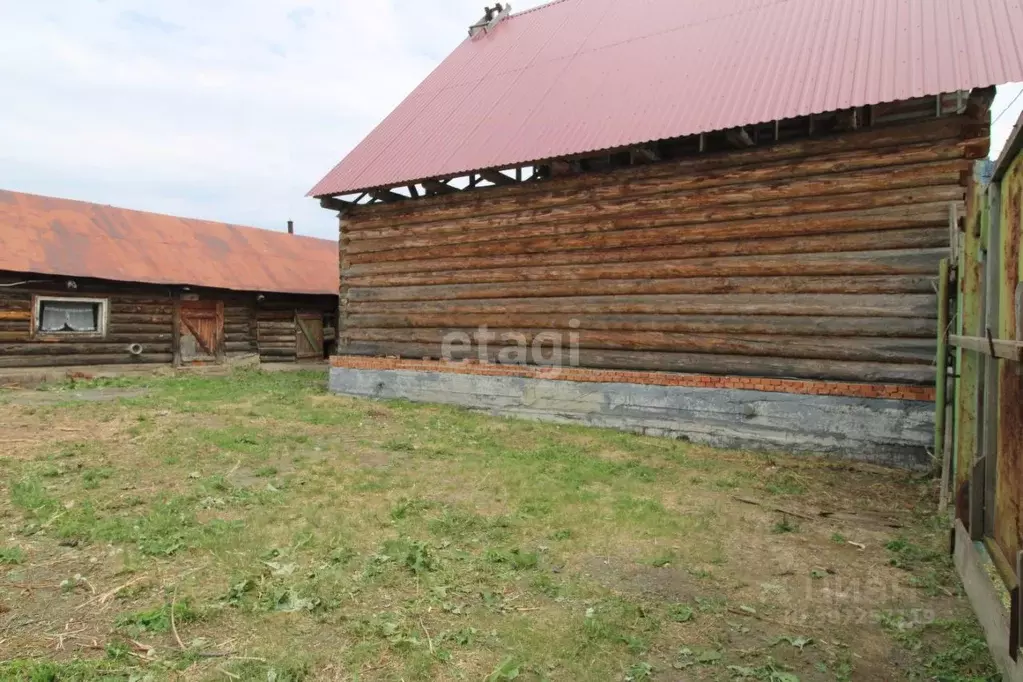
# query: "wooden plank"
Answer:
x=891 y=327
x=898 y=284
x=903 y=305
x=685 y=363
x=986 y=603
x=894 y=262
x=73 y=360
x=907 y=351
x=1018 y=650
x=1008 y=493
x=969 y=364
x=74 y=348
x=989 y=427
x=1003 y=349
x=15 y=315
x=941 y=380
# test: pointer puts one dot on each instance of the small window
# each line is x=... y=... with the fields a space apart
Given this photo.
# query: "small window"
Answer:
x=71 y=316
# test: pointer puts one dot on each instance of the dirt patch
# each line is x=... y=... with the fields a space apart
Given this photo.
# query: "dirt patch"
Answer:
x=630 y=578
x=92 y=395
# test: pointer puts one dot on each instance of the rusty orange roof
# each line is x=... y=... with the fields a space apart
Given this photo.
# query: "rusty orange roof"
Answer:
x=52 y=236
x=579 y=76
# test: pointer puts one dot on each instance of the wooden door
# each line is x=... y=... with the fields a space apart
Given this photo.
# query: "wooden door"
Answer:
x=309 y=336
x=200 y=331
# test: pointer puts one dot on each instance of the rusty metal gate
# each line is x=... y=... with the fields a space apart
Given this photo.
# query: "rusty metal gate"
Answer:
x=988 y=405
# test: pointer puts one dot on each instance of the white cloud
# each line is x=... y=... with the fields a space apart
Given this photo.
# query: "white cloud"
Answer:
x=227 y=110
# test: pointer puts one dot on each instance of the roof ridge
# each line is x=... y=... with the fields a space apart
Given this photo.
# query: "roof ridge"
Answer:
x=162 y=215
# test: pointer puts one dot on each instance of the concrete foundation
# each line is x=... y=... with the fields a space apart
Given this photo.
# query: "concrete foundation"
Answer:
x=880 y=431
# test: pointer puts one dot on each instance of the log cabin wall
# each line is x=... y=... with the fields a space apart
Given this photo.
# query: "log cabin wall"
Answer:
x=813 y=259
x=278 y=329
x=134 y=314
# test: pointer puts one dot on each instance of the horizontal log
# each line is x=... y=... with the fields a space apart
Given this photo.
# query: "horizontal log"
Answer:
x=238 y=346
x=276 y=341
x=124 y=340
x=944 y=173
x=15 y=315
x=144 y=309
x=704 y=324
x=734 y=178
x=773 y=234
x=761 y=221
x=816 y=305
x=129 y=329
x=128 y=319
x=898 y=284
x=909 y=351
x=932 y=132
x=72 y=360
x=65 y=348
x=690 y=363
x=893 y=262
x=276 y=352
x=119 y=300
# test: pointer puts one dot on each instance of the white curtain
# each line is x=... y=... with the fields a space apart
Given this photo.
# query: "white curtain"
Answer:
x=58 y=316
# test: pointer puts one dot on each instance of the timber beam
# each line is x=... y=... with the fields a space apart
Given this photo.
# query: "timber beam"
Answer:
x=438 y=187
x=994 y=348
x=739 y=137
x=334 y=204
x=645 y=155
x=387 y=196
x=497 y=177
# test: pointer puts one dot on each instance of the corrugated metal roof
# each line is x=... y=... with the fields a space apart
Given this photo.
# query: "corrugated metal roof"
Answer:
x=78 y=239
x=577 y=76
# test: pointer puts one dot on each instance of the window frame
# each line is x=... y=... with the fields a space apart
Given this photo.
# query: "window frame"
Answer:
x=102 y=317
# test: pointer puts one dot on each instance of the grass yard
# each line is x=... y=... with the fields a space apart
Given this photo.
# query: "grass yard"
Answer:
x=253 y=527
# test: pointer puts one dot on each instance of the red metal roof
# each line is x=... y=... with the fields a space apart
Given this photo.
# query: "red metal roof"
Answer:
x=78 y=239
x=576 y=76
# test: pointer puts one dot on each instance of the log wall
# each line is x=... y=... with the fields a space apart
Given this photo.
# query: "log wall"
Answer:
x=138 y=313
x=277 y=331
x=814 y=259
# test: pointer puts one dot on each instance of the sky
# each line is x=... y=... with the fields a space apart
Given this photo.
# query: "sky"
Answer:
x=227 y=110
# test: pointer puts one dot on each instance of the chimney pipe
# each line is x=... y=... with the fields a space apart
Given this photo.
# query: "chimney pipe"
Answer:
x=291 y=227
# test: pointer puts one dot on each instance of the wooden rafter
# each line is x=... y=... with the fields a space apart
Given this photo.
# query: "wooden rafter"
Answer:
x=438 y=186
x=497 y=177
x=388 y=196
x=739 y=137
x=645 y=155
x=333 y=204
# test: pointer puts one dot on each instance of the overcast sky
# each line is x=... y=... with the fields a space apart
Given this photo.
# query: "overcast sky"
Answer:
x=227 y=110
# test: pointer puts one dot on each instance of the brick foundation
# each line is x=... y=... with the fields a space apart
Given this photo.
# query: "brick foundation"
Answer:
x=793 y=386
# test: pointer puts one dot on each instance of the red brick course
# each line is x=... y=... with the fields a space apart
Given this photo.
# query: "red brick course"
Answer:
x=834 y=388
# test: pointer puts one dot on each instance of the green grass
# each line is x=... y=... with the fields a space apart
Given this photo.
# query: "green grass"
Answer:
x=303 y=536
